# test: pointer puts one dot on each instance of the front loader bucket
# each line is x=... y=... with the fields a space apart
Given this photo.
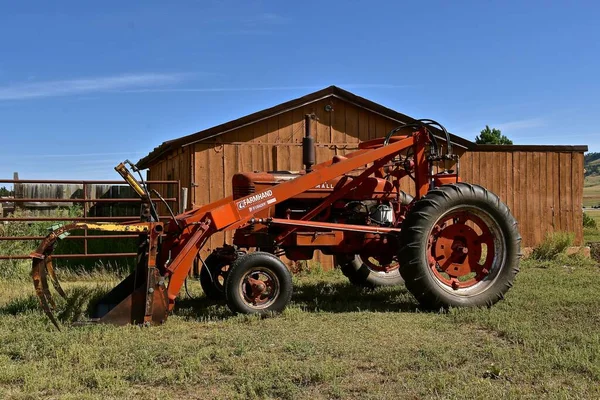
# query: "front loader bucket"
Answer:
x=141 y=298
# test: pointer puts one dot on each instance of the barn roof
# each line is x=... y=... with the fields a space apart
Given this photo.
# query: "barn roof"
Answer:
x=328 y=92
x=331 y=91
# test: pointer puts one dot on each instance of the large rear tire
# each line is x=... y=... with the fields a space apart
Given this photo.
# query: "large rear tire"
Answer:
x=213 y=275
x=362 y=272
x=460 y=248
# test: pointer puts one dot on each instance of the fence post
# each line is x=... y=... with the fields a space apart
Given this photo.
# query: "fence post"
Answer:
x=18 y=189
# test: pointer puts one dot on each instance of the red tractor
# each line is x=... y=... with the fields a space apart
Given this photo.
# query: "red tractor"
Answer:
x=453 y=244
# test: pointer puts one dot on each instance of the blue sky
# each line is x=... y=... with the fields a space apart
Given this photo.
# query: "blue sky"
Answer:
x=84 y=85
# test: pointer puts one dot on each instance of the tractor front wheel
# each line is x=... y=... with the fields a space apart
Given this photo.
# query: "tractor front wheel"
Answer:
x=258 y=283
x=460 y=248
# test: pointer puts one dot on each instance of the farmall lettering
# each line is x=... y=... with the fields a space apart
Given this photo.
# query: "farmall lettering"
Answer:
x=250 y=201
x=325 y=185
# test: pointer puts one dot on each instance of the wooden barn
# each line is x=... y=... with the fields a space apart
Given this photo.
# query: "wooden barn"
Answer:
x=542 y=185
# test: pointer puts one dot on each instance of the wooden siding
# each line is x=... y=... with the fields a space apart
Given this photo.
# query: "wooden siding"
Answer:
x=544 y=190
x=176 y=166
x=276 y=144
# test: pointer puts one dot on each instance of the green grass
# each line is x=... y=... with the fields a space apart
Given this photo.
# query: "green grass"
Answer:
x=335 y=341
x=591 y=191
x=591 y=234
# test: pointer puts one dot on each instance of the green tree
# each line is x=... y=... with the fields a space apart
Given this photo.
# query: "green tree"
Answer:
x=492 y=136
x=4 y=192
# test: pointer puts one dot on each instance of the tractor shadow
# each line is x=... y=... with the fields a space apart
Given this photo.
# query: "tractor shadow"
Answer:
x=339 y=297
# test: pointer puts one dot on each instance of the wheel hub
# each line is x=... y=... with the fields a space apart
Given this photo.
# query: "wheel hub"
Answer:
x=259 y=288
x=461 y=250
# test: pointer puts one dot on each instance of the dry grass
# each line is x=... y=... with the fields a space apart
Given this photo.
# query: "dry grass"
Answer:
x=335 y=341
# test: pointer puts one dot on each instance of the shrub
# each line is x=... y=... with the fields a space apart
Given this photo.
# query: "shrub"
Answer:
x=554 y=245
x=589 y=222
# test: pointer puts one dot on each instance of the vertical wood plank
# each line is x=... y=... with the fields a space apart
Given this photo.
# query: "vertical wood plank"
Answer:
x=556 y=211
x=363 y=125
x=516 y=190
x=372 y=126
x=352 y=134
x=230 y=168
x=544 y=222
x=577 y=194
x=523 y=197
x=380 y=126
x=536 y=200
x=324 y=135
x=564 y=192
x=568 y=197
x=285 y=136
x=466 y=170
x=295 y=161
x=338 y=123
x=216 y=181
x=510 y=200
x=526 y=196
x=550 y=178
x=501 y=166
x=272 y=138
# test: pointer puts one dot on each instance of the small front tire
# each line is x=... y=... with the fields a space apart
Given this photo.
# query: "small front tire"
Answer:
x=258 y=283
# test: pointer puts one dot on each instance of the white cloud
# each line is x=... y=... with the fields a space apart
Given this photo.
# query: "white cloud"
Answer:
x=267 y=88
x=520 y=124
x=30 y=90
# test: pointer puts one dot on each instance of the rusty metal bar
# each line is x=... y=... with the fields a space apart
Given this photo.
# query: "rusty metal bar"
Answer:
x=33 y=219
x=102 y=200
x=71 y=182
x=28 y=257
x=8 y=238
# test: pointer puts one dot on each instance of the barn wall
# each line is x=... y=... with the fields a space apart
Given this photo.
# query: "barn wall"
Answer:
x=175 y=166
x=276 y=144
x=544 y=190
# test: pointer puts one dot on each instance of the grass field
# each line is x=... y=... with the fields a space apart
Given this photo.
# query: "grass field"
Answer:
x=591 y=191
x=591 y=234
x=335 y=341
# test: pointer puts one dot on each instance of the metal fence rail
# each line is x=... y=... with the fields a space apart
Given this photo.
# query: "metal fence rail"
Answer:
x=88 y=202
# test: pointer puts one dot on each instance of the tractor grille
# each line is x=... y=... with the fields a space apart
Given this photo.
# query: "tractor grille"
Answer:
x=242 y=191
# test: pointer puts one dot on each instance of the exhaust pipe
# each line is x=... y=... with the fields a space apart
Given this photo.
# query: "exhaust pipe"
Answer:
x=308 y=144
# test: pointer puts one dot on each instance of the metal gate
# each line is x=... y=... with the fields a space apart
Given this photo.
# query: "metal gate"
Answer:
x=88 y=202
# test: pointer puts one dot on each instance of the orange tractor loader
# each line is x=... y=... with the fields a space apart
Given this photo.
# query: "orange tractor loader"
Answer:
x=454 y=244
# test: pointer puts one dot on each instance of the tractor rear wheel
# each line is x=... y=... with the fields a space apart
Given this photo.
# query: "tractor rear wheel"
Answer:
x=366 y=272
x=460 y=247
x=212 y=276
x=258 y=283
